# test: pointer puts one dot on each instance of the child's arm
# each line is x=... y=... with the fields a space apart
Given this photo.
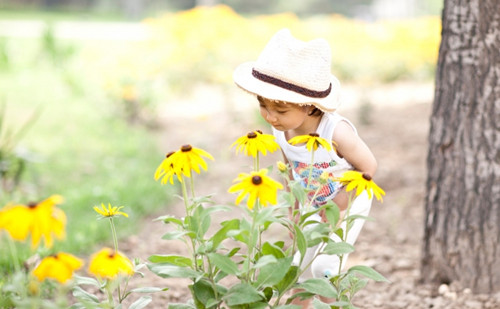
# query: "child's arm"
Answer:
x=353 y=149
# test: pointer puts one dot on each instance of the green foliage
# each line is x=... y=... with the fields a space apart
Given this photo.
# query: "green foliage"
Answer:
x=237 y=267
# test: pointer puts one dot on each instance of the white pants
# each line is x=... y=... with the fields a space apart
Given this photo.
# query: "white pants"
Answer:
x=328 y=265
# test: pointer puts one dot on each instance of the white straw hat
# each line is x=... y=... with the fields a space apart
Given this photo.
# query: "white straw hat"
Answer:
x=293 y=71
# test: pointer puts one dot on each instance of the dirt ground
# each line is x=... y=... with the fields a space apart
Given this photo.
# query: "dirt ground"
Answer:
x=393 y=120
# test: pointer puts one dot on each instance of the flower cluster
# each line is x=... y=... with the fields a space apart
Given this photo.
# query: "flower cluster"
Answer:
x=264 y=272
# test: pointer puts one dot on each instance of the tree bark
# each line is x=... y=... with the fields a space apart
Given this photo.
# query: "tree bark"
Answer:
x=462 y=218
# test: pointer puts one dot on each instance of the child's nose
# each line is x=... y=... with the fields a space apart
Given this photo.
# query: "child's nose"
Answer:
x=270 y=117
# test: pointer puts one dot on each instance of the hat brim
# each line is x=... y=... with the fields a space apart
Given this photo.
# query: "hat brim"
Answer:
x=243 y=77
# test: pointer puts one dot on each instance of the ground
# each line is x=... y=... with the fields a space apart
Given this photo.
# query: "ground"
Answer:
x=393 y=120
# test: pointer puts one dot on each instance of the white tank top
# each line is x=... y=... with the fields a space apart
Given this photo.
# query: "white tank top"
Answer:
x=300 y=159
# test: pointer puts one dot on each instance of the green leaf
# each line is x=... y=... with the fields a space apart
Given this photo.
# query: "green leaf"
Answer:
x=298 y=191
x=272 y=249
x=203 y=293
x=172 y=271
x=147 y=290
x=181 y=306
x=86 y=280
x=320 y=287
x=289 y=280
x=318 y=304
x=332 y=213
x=301 y=242
x=242 y=293
x=273 y=273
x=84 y=296
x=171 y=259
x=174 y=235
x=141 y=302
x=368 y=272
x=221 y=234
x=224 y=263
x=338 y=248
x=289 y=307
x=265 y=215
x=169 y=219
x=265 y=260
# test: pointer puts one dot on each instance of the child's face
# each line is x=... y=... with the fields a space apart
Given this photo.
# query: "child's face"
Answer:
x=282 y=116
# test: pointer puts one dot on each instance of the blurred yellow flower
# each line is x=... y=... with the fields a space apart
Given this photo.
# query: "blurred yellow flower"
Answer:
x=282 y=167
x=59 y=267
x=166 y=170
x=110 y=211
x=312 y=141
x=188 y=159
x=258 y=186
x=108 y=264
x=255 y=142
x=361 y=182
x=41 y=220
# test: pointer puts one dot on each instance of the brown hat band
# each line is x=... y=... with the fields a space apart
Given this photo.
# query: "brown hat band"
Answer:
x=291 y=87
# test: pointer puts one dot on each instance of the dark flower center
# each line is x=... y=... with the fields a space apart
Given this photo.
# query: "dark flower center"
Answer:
x=366 y=176
x=169 y=154
x=186 y=148
x=32 y=205
x=259 y=131
x=252 y=134
x=314 y=134
x=256 y=180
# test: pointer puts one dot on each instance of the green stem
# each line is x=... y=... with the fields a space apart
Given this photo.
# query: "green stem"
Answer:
x=250 y=244
x=310 y=171
x=192 y=186
x=189 y=218
x=110 y=295
x=256 y=163
x=184 y=195
x=349 y=204
x=113 y=232
x=13 y=252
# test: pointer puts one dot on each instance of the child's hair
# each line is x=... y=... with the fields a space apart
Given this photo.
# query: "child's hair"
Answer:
x=316 y=112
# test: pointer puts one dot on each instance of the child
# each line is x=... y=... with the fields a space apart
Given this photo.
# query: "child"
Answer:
x=298 y=95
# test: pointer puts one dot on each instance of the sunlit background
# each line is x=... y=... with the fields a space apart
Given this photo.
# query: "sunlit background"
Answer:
x=86 y=85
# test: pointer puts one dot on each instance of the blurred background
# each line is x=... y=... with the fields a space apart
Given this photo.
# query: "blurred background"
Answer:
x=88 y=87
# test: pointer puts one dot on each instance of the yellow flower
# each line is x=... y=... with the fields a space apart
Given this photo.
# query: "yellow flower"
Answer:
x=189 y=158
x=111 y=211
x=59 y=267
x=166 y=170
x=255 y=142
x=282 y=167
x=258 y=186
x=312 y=140
x=108 y=264
x=361 y=181
x=41 y=220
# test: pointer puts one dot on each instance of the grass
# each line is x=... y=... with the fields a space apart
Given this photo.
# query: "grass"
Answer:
x=79 y=146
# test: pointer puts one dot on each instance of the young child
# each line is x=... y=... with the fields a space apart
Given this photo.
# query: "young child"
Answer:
x=298 y=95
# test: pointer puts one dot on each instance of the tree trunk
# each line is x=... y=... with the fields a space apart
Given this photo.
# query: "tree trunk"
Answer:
x=462 y=219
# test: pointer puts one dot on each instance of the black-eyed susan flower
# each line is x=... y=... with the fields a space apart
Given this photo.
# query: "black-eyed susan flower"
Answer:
x=110 y=211
x=59 y=267
x=257 y=185
x=108 y=264
x=188 y=159
x=312 y=141
x=282 y=167
x=255 y=142
x=361 y=182
x=166 y=170
x=40 y=220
